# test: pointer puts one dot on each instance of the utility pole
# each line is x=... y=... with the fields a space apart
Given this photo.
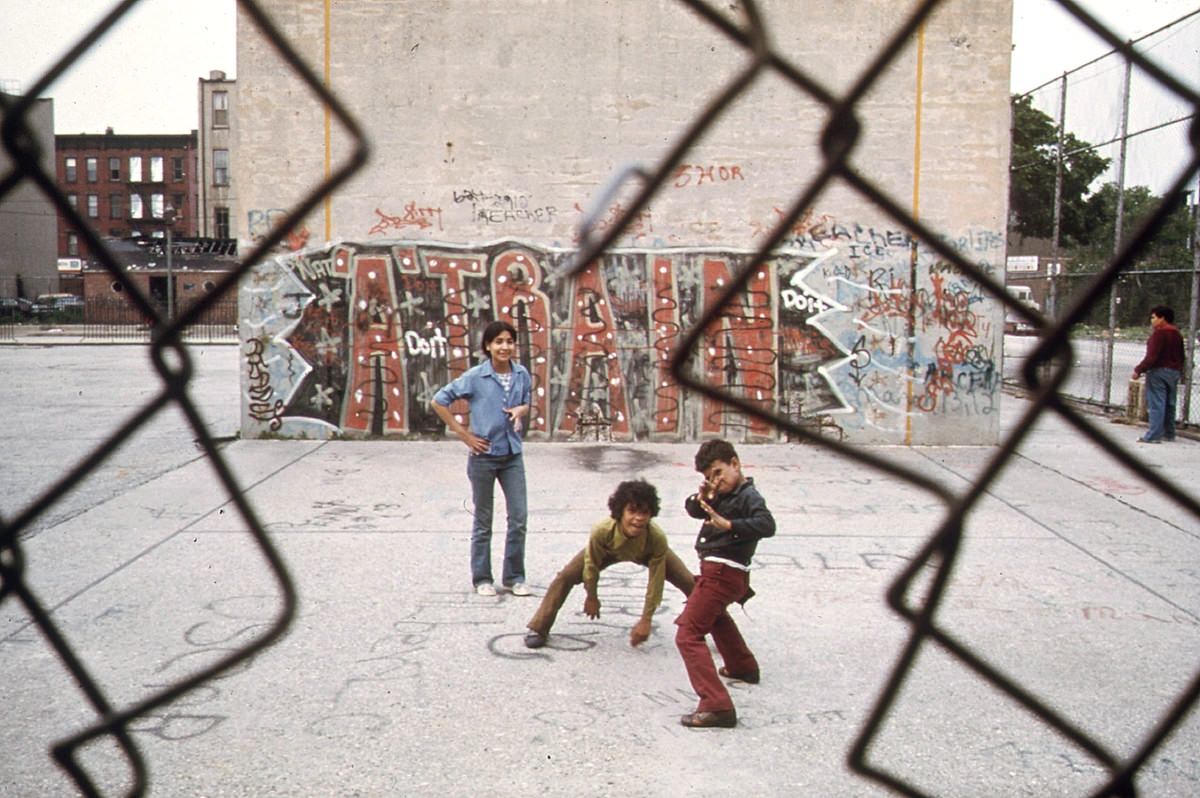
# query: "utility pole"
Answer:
x=1113 y=297
x=1052 y=303
x=169 y=220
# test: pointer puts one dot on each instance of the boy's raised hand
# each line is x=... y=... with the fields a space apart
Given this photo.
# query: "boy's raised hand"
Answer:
x=715 y=518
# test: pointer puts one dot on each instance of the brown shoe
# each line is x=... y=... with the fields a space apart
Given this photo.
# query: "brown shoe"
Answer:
x=725 y=719
x=749 y=677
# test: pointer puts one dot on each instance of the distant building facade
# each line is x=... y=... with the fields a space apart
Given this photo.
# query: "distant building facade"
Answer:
x=218 y=127
x=28 y=264
x=124 y=186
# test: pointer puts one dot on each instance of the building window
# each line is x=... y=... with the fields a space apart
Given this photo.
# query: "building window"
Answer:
x=177 y=202
x=221 y=222
x=135 y=206
x=156 y=206
x=73 y=201
x=93 y=209
x=114 y=206
x=93 y=169
x=220 y=109
x=177 y=169
x=135 y=168
x=69 y=166
x=72 y=245
x=156 y=168
x=220 y=167
x=114 y=169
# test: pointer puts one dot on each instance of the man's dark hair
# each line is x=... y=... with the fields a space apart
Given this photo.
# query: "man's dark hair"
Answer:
x=637 y=492
x=711 y=451
x=1164 y=312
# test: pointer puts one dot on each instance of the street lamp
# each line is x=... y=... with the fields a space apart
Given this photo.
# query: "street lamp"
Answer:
x=169 y=222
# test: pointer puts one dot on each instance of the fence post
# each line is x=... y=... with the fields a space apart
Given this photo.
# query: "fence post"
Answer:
x=1052 y=309
x=1120 y=222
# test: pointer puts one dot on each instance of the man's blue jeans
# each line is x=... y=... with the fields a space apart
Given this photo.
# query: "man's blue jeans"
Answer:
x=484 y=471
x=1162 y=386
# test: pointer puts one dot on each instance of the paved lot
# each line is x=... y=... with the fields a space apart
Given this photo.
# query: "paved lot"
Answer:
x=1075 y=578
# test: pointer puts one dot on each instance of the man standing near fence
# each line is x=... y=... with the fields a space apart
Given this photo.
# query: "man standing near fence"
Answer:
x=1163 y=366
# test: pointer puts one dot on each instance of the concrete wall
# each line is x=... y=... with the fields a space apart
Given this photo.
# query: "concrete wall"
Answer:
x=28 y=220
x=495 y=126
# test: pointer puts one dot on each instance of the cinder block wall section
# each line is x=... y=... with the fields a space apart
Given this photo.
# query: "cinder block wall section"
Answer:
x=495 y=126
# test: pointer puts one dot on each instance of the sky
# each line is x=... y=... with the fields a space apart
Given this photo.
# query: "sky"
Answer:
x=142 y=77
x=1048 y=41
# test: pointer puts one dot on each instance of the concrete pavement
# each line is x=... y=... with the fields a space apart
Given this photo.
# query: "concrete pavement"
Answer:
x=1075 y=578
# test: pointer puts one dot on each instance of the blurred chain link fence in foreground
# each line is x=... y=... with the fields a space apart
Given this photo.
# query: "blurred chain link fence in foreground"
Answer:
x=915 y=594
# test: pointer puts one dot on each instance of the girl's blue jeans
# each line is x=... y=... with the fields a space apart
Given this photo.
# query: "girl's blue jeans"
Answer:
x=485 y=471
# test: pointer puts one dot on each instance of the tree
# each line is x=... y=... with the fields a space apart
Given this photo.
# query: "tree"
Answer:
x=1143 y=284
x=1032 y=167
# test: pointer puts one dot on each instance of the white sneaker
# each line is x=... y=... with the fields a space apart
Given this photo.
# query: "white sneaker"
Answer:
x=485 y=589
x=521 y=589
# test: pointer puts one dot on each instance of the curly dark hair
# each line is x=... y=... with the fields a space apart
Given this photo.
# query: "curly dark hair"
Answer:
x=711 y=451
x=637 y=492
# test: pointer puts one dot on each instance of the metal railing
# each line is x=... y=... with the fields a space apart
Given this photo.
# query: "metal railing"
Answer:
x=930 y=570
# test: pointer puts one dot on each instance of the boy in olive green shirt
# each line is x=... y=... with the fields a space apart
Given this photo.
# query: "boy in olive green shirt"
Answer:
x=627 y=535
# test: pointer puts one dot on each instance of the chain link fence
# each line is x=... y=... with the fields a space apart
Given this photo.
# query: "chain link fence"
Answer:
x=916 y=593
x=172 y=361
x=1112 y=108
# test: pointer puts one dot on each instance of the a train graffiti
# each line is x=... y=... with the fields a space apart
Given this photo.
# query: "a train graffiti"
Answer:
x=354 y=338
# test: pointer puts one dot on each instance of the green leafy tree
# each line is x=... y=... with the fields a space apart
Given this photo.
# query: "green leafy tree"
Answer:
x=1032 y=167
x=1146 y=281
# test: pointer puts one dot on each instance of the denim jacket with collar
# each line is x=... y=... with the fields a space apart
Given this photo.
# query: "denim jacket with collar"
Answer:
x=482 y=388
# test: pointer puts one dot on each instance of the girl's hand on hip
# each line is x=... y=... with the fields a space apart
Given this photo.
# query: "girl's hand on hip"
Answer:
x=476 y=444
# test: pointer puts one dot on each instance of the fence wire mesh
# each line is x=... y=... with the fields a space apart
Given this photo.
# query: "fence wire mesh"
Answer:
x=915 y=595
x=171 y=360
x=1124 y=114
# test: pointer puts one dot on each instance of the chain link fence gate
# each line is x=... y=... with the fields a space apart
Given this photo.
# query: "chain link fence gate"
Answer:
x=914 y=595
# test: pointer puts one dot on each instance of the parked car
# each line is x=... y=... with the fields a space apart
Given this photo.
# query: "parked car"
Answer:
x=59 y=307
x=15 y=308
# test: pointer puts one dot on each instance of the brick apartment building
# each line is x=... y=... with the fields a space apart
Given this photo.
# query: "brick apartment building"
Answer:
x=123 y=185
x=130 y=188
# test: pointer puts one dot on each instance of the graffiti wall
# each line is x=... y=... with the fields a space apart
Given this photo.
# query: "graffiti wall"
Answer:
x=844 y=329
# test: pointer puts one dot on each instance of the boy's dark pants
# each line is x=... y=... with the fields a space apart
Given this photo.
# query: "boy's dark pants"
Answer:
x=572 y=574
x=717 y=587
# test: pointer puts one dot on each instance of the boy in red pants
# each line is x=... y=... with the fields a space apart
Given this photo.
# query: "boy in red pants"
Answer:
x=735 y=519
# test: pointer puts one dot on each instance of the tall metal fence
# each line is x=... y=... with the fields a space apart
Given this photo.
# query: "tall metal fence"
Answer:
x=916 y=593
x=1127 y=115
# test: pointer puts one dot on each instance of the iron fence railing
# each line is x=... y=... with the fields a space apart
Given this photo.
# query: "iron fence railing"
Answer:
x=1048 y=367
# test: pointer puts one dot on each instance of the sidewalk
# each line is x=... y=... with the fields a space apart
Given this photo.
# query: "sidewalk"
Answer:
x=1075 y=578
